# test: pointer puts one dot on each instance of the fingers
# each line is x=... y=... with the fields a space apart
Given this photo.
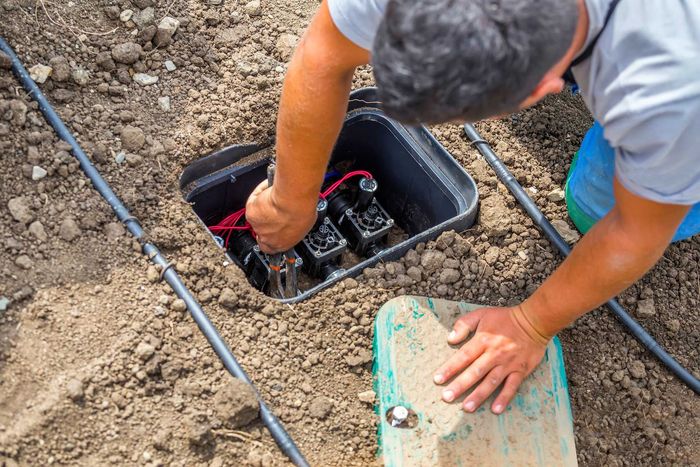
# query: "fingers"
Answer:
x=259 y=189
x=485 y=389
x=459 y=361
x=464 y=325
x=469 y=377
x=506 y=395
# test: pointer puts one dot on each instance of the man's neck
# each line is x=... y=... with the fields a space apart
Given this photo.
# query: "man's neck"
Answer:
x=579 y=40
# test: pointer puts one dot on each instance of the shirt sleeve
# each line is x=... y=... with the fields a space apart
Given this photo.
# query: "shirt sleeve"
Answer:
x=358 y=20
x=650 y=110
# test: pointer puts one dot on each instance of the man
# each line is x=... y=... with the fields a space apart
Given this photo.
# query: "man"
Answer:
x=637 y=63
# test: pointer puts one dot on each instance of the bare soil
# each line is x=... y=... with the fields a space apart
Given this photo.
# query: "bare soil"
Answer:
x=100 y=364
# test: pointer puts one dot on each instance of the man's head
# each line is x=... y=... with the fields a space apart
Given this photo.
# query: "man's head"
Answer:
x=441 y=60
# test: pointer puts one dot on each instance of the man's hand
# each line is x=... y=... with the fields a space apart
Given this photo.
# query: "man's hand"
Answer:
x=278 y=225
x=500 y=351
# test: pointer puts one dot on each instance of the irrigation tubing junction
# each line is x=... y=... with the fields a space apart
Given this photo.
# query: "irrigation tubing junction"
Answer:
x=274 y=426
x=543 y=223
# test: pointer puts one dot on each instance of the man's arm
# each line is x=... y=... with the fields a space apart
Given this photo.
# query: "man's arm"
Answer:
x=312 y=107
x=510 y=342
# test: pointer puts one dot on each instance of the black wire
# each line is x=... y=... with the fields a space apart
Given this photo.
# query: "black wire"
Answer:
x=279 y=434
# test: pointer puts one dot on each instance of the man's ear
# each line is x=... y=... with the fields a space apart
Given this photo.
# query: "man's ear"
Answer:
x=551 y=83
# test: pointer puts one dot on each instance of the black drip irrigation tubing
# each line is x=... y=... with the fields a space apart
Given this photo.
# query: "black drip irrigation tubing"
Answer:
x=543 y=223
x=274 y=426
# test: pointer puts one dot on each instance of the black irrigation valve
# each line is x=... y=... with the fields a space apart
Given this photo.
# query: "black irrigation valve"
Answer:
x=405 y=189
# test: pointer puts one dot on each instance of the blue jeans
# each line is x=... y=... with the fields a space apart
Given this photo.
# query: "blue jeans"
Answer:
x=589 y=186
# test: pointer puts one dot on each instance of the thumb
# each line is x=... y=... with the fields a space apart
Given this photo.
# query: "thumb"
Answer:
x=465 y=325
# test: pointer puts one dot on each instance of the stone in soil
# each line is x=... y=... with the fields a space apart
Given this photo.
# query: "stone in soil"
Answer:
x=81 y=76
x=169 y=65
x=36 y=228
x=38 y=173
x=20 y=210
x=61 y=68
x=320 y=407
x=235 y=403
x=69 y=230
x=432 y=260
x=569 y=235
x=132 y=138
x=253 y=8
x=494 y=216
x=40 y=73
x=166 y=29
x=556 y=195
x=144 y=17
x=367 y=396
x=145 y=79
x=228 y=298
x=127 y=53
x=637 y=369
x=164 y=103
x=126 y=15
x=24 y=261
x=646 y=308
x=144 y=350
x=286 y=43
x=74 y=387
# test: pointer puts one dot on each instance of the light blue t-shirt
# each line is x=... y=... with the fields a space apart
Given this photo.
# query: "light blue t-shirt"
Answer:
x=642 y=83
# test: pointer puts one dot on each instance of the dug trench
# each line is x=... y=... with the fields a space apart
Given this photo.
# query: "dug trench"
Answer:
x=100 y=364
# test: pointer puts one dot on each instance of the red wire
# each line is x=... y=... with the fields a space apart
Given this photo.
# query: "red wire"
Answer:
x=348 y=175
x=229 y=222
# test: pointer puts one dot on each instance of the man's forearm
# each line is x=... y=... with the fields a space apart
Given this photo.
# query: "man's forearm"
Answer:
x=607 y=260
x=311 y=113
x=312 y=107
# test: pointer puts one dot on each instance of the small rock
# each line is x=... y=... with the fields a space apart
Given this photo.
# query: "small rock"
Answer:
x=20 y=210
x=494 y=216
x=5 y=61
x=148 y=33
x=169 y=65
x=112 y=12
x=36 y=228
x=286 y=43
x=144 y=350
x=228 y=298
x=60 y=67
x=4 y=303
x=637 y=370
x=166 y=29
x=120 y=157
x=134 y=160
x=236 y=403
x=81 y=77
x=569 y=235
x=132 y=138
x=127 y=53
x=179 y=305
x=432 y=260
x=114 y=231
x=105 y=62
x=646 y=308
x=673 y=325
x=367 y=396
x=199 y=433
x=38 y=173
x=164 y=103
x=320 y=407
x=24 y=261
x=364 y=356
x=253 y=8
x=126 y=15
x=144 y=17
x=145 y=79
x=40 y=73
x=448 y=276
x=74 y=387
x=556 y=195
x=69 y=230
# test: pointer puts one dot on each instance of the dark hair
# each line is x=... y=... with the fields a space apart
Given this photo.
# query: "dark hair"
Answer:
x=440 y=60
